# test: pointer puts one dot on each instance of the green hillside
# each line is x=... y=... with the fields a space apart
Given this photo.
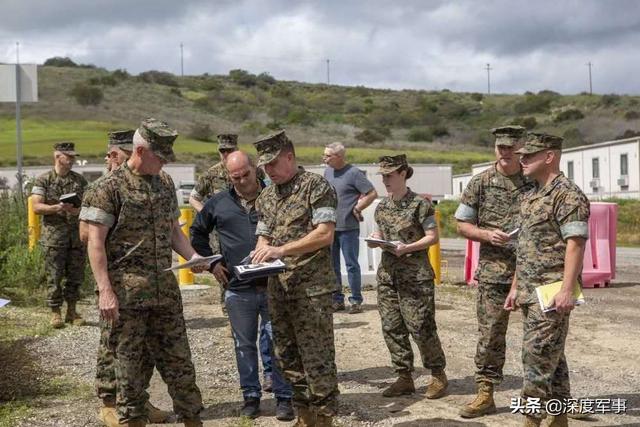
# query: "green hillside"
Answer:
x=83 y=103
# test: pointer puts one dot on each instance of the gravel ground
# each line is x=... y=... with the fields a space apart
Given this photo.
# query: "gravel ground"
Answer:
x=602 y=350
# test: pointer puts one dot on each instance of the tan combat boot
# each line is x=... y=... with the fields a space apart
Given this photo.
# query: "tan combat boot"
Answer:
x=56 y=318
x=72 y=315
x=109 y=415
x=559 y=421
x=531 y=421
x=193 y=423
x=403 y=385
x=483 y=404
x=306 y=418
x=324 y=421
x=437 y=387
x=155 y=415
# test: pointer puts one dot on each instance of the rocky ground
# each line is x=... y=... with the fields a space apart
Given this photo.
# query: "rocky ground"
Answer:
x=602 y=350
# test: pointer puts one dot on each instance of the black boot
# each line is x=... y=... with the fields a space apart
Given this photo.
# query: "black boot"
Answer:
x=251 y=407
x=284 y=410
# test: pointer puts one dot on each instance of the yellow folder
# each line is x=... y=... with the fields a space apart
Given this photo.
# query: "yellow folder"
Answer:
x=547 y=292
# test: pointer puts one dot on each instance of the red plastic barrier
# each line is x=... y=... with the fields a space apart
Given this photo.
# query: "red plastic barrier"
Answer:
x=599 y=264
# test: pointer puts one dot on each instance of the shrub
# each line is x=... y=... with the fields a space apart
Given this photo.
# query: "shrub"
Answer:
x=243 y=78
x=300 y=116
x=369 y=136
x=477 y=96
x=353 y=106
x=107 y=80
x=439 y=130
x=632 y=115
x=609 y=100
x=532 y=104
x=85 y=94
x=175 y=91
x=547 y=92
x=573 y=138
x=420 y=135
x=201 y=132
x=528 y=122
x=629 y=133
x=266 y=78
x=280 y=91
x=59 y=61
x=120 y=74
x=159 y=77
x=571 y=114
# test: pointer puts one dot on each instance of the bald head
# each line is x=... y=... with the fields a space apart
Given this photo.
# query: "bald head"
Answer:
x=237 y=160
x=242 y=173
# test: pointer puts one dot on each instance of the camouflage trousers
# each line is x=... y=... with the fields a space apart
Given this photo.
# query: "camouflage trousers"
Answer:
x=546 y=374
x=64 y=268
x=160 y=331
x=409 y=309
x=493 y=321
x=304 y=348
x=106 y=366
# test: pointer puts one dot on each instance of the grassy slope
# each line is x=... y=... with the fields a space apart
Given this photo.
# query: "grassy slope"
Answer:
x=313 y=114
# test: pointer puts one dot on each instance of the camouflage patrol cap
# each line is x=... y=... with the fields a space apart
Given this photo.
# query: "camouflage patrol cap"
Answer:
x=160 y=138
x=270 y=146
x=227 y=141
x=66 y=147
x=390 y=164
x=509 y=135
x=540 y=141
x=122 y=139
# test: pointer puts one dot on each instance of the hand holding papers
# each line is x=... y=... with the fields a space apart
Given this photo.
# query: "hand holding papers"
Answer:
x=263 y=269
x=196 y=262
x=546 y=294
x=385 y=244
x=72 y=199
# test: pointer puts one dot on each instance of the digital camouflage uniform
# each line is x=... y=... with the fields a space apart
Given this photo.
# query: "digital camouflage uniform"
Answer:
x=64 y=254
x=549 y=216
x=406 y=299
x=492 y=201
x=300 y=298
x=105 y=366
x=140 y=211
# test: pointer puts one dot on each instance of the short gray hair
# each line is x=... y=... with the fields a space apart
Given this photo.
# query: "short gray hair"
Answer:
x=139 y=141
x=337 y=148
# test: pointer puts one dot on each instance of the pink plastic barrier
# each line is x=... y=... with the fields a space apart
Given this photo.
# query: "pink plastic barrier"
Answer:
x=599 y=265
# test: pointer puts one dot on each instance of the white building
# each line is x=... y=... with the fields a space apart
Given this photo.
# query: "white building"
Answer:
x=603 y=170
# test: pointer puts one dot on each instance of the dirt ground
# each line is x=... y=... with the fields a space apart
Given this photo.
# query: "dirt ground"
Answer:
x=602 y=352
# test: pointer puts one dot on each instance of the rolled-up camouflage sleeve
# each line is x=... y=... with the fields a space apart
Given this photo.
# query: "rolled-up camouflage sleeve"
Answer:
x=427 y=215
x=469 y=201
x=572 y=214
x=39 y=187
x=100 y=207
x=323 y=202
x=263 y=228
x=199 y=189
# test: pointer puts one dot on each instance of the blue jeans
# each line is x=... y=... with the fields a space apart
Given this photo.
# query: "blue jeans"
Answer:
x=347 y=241
x=265 y=349
x=244 y=307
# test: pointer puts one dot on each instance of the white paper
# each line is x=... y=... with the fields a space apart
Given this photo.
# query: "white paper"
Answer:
x=393 y=244
x=4 y=302
x=196 y=262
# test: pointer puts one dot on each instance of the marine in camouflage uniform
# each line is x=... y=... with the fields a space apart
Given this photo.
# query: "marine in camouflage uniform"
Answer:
x=405 y=286
x=64 y=254
x=491 y=201
x=551 y=214
x=119 y=150
x=141 y=213
x=300 y=298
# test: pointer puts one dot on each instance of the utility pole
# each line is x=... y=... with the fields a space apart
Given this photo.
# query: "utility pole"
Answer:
x=590 y=82
x=328 y=72
x=181 y=60
x=489 y=79
x=18 y=123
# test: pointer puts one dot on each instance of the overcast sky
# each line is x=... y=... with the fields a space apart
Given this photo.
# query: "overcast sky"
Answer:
x=531 y=45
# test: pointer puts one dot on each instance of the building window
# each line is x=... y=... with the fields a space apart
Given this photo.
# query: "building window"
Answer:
x=570 y=170
x=624 y=164
x=595 y=168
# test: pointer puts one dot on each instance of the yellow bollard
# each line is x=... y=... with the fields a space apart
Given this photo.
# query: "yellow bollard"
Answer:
x=434 y=255
x=185 y=275
x=33 y=222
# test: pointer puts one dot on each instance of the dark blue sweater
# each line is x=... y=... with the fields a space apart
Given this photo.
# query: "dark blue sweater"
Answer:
x=236 y=230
